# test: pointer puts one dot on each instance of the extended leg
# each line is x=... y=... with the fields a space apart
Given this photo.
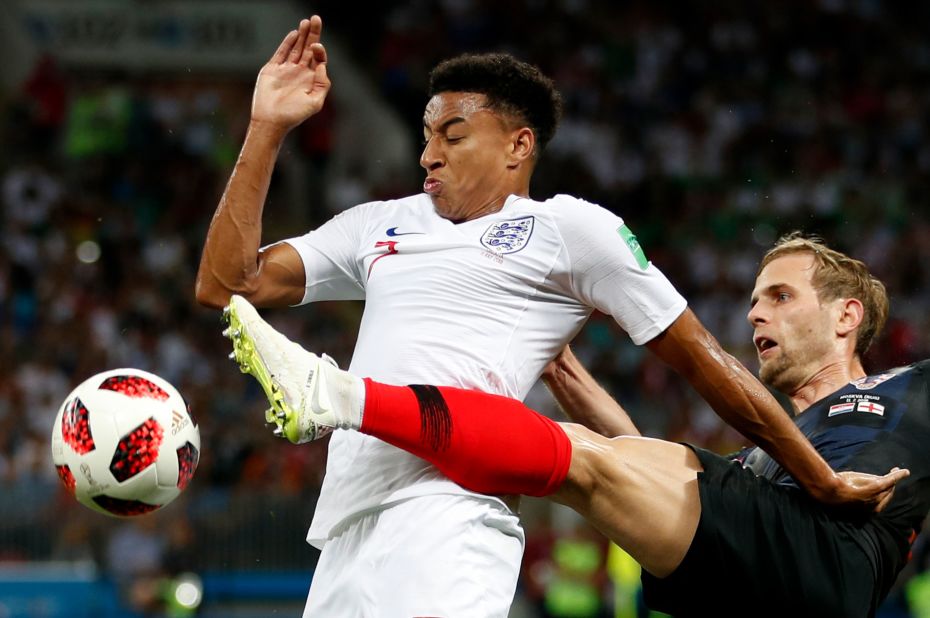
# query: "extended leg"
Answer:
x=641 y=493
x=486 y=443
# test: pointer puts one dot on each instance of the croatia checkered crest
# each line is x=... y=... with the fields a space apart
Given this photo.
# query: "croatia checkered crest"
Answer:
x=124 y=443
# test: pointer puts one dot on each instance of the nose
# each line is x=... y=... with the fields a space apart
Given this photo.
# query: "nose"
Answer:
x=430 y=158
x=756 y=315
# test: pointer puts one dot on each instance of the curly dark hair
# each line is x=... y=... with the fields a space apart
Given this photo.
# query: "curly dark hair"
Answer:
x=512 y=87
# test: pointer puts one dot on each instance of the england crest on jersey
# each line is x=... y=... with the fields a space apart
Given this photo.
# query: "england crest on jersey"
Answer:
x=508 y=236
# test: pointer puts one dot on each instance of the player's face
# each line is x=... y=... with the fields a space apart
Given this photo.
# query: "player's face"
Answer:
x=465 y=156
x=793 y=331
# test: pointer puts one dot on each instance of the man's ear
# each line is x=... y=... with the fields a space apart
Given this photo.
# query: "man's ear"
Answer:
x=522 y=146
x=850 y=317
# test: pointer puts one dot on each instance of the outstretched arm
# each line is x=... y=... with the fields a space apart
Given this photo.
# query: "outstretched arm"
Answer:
x=743 y=402
x=290 y=88
x=583 y=399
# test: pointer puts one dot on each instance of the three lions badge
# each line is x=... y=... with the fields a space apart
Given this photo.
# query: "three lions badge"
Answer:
x=508 y=236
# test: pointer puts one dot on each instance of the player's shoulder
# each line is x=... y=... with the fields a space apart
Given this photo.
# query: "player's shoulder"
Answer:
x=383 y=210
x=570 y=212
x=562 y=203
x=919 y=369
x=417 y=202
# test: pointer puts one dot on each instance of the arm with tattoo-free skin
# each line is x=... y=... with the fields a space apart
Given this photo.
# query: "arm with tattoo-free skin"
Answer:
x=583 y=400
x=737 y=396
x=743 y=402
x=290 y=88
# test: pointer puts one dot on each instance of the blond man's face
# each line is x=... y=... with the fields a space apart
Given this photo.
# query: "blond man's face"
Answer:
x=792 y=330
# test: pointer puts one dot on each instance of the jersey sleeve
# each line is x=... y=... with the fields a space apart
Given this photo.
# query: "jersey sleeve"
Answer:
x=330 y=256
x=608 y=270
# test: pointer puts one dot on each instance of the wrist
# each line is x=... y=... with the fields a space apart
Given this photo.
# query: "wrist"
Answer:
x=824 y=485
x=268 y=128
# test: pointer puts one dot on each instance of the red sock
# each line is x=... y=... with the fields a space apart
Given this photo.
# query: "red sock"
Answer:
x=486 y=443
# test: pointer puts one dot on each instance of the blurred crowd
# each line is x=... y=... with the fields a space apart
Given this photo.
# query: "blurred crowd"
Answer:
x=712 y=128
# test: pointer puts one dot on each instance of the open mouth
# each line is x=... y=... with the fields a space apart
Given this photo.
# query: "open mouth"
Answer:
x=764 y=344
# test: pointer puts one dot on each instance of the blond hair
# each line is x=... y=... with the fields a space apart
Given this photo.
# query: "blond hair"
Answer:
x=836 y=275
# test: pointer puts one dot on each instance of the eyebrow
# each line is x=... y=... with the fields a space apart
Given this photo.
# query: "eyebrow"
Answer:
x=766 y=290
x=445 y=125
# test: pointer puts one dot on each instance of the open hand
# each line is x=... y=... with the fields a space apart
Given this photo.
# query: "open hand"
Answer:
x=293 y=84
x=860 y=491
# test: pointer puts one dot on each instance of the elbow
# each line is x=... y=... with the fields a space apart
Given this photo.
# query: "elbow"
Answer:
x=210 y=295
x=211 y=292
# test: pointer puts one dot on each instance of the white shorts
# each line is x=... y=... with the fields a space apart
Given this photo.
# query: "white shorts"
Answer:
x=440 y=555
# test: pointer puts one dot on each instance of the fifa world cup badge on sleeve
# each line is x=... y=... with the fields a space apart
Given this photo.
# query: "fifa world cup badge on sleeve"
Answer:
x=637 y=249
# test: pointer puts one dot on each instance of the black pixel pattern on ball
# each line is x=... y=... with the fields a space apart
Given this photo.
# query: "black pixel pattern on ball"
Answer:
x=137 y=450
x=124 y=507
x=75 y=429
x=188 y=456
x=134 y=386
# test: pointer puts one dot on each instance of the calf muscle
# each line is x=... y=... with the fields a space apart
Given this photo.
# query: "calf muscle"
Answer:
x=639 y=492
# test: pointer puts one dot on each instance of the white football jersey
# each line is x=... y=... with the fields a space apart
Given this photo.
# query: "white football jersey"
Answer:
x=483 y=304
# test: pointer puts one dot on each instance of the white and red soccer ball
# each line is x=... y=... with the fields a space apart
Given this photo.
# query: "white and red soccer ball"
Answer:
x=124 y=443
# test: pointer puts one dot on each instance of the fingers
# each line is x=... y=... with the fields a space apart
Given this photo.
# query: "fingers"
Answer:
x=310 y=54
x=303 y=31
x=320 y=73
x=870 y=491
x=317 y=56
x=316 y=30
x=884 y=499
x=885 y=487
x=302 y=46
x=898 y=474
x=284 y=48
x=888 y=481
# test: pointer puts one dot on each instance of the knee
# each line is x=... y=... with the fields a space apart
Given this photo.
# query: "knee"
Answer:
x=594 y=459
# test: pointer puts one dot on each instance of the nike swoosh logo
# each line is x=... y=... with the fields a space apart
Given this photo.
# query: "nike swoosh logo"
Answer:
x=393 y=232
x=320 y=403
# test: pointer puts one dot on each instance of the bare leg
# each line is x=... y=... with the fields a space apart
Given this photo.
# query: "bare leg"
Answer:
x=641 y=493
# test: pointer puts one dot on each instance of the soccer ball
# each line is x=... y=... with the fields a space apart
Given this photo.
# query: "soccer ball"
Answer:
x=124 y=443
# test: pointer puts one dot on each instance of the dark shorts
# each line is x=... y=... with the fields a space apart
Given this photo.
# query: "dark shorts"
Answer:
x=762 y=549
